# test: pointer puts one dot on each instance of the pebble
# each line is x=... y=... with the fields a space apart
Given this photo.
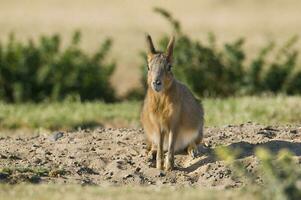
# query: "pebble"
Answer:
x=3 y=175
x=162 y=174
x=57 y=135
x=137 y=169
x=35 y=179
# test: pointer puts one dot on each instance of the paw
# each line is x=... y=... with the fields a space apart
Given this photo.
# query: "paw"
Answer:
x=193 y=151
x=151 y=156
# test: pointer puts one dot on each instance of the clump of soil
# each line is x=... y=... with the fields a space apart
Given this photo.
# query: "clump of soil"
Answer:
x=119 y=156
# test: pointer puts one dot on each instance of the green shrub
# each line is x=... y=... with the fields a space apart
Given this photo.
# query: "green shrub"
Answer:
x=43 y=70
x=277 y=176
x=225 y=71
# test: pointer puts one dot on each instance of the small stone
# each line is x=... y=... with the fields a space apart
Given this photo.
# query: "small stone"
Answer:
x=86 y=170
x=137 y=169
x=37 y=161
x=35 y=179
x=127 y=176
x=3 y=156
x=162 y=174
x=57 y=135
x=86 y=182
x=3 y=176
x=14 y=157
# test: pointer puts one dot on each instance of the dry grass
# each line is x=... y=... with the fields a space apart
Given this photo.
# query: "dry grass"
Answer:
x=127 y=22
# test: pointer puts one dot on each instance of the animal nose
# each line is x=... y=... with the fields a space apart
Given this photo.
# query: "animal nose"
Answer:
x=157 y=82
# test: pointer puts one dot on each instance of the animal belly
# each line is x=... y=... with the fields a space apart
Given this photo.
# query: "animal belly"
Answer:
x=182 y=141
x=185 y=138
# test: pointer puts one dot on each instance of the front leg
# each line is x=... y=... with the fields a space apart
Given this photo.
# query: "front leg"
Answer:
x=160 y=151
x=152 y=152
x=169 y=165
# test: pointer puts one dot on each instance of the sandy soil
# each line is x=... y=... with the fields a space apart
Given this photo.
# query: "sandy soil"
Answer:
x=119 y=156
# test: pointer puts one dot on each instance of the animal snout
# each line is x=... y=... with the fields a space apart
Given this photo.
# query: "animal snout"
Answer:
x=157 y=85
x=157 y=82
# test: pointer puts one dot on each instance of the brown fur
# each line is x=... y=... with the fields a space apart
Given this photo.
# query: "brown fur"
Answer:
x=171 y=117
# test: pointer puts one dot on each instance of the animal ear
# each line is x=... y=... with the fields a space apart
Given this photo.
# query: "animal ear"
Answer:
x=150 y=44
x=169 y=51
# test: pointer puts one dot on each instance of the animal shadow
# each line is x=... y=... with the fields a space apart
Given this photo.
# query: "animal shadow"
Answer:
x=247 y=149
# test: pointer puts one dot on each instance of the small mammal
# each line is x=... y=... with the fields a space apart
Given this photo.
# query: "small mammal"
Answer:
x=171 y=116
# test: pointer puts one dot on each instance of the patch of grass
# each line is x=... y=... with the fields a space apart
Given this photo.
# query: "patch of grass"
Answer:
x=264 y=110
x=218 y=112
x=38 y=171
x=74 y=192
x=15 y=175
x=67 y=115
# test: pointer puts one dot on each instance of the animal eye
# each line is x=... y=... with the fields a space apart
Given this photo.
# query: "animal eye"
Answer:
x=147 y=67
x=169 y=67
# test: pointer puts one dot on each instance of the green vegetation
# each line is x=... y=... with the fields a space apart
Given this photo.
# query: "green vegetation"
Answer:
x=14 y=175
x=67 y=114
x=277 y=175
x=211 y=70
x=37 y=171
x=46 y=71
x=70 y=115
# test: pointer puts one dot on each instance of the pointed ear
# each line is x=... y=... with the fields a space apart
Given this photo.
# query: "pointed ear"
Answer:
x=150 y=44
x=169 y=50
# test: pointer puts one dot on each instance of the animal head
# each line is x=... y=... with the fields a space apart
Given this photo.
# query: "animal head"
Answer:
x=159 y=76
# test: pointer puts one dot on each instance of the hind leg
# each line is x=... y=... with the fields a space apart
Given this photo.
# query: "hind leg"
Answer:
x=192 y=149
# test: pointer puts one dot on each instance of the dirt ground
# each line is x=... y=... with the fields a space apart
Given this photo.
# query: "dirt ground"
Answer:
x=119 y=156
